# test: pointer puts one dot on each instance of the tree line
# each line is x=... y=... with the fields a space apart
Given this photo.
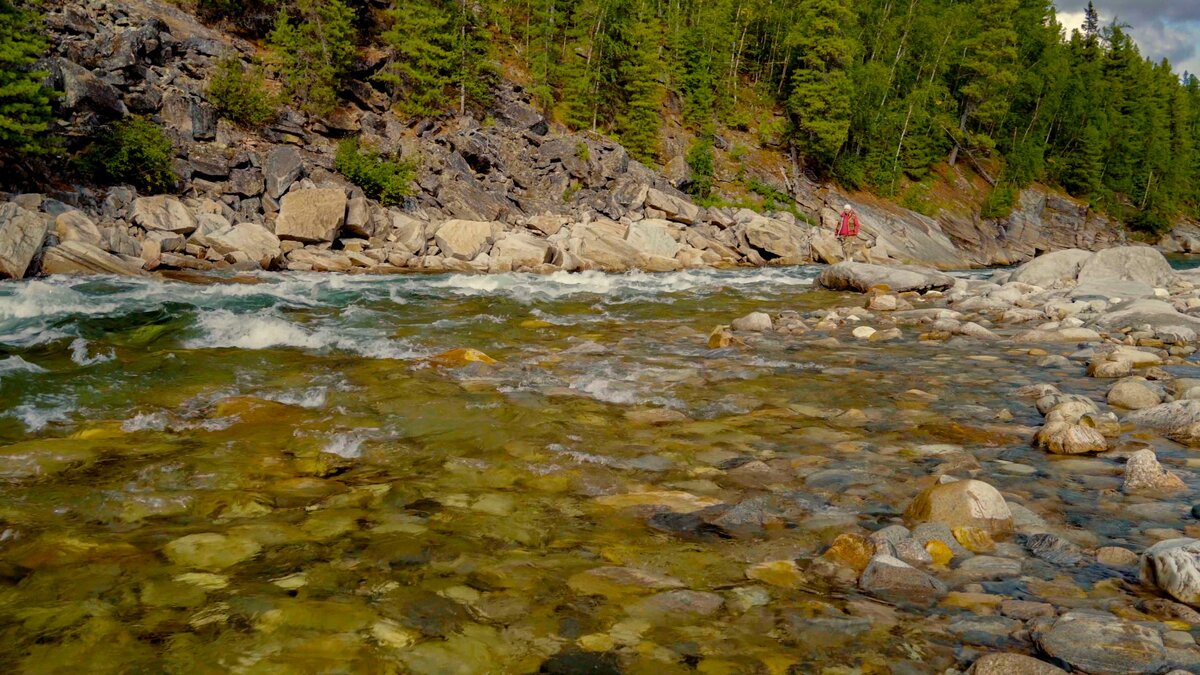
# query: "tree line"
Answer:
x=876 y=94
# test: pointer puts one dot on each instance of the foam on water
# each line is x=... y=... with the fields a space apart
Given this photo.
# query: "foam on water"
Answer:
x=43 y=412
x=345 y=445
x=532 y=287
x=79 y=354
x=15 y=364
x=226 y=329
x=311 y=398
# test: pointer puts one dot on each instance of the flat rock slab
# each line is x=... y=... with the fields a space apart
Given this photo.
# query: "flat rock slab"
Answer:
x=77 y=257
x=861 y=277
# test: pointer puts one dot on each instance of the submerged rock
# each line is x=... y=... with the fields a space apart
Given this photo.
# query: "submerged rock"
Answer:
x=461 y=356
x=753 y=322
x=210 y=551
x=894 y=580
x=1102 y=644
x=961 y=503
x=1012 y=664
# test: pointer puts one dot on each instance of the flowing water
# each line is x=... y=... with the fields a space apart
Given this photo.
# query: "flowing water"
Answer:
x=271 y=475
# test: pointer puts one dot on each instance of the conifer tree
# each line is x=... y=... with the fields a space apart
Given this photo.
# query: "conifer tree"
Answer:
x=313 y=45
x=422 y=56
x=638 y=123
x=990 y=73
x=820 y=98
x=25 y=111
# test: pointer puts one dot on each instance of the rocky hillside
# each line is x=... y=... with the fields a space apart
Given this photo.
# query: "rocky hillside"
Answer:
x=509 y=192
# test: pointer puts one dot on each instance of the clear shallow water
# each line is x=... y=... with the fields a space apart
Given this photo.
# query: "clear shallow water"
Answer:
x=359 y=509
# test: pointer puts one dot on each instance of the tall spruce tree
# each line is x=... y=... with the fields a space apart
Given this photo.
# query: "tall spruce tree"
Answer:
x=820 y=98
x=638 y=123
x=422 y=57
x=313 y=45
x=25 y=111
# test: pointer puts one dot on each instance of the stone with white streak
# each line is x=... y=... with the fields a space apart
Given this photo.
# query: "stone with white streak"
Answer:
x=1173 y=566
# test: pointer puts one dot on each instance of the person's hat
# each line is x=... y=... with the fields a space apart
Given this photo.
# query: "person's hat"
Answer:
x=847 y=208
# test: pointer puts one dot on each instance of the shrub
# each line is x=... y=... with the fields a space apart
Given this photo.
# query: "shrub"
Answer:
x=240 y=94
x=582 y=151
x=380 y=177
x=700 y=161
x=134 y=151
x=999 y=202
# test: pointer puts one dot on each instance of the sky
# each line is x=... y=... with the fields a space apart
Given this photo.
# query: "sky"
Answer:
x=1169 y=28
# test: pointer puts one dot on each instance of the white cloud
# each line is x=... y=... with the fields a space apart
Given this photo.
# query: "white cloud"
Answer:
x=1161 y=28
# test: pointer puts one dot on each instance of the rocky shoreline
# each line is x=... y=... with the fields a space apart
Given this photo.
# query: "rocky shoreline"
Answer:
x=1128 y=319
x=510 y=192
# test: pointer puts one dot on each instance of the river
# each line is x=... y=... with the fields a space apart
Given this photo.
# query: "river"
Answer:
x=272 y=475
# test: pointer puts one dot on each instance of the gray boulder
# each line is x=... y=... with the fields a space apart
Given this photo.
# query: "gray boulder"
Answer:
x=1052 y=268
x=77 y=257
x=1173 y=566
x=1130 y=263
x=1178 y=420
x=256 y=241
x=1157 y=313
x=311 y=216
x=162 y=212
x=282 y=167
x=652 y=237
x=74 y=225
x=676 y=208
x=517 y=251
x=21 y=235
x=777 y=239
x=465 y=239
x=861 y=277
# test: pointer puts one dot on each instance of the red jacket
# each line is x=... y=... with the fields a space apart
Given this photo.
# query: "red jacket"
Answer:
x=849 y=226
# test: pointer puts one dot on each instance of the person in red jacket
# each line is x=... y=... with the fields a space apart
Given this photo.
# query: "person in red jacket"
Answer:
x=848 y=234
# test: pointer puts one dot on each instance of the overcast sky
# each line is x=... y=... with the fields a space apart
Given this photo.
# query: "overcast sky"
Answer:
x=1169 y=28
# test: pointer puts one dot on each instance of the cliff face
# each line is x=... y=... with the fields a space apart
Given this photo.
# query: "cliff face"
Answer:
x=574 y=201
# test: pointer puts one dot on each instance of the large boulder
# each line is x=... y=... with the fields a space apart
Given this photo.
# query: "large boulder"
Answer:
x=1178 y=420
x=464 y=239
x=408 y=233
x=652 y=237
x=74 y=225
x=861 y=277
x=676 y=208
x=282 y=167
x=1157 y=313
x=1133 y=393
x=777 y=239
x=256 y=241
x=519 y=250
x=162 y=212
x=826 y=248
x=610 y=254
x=1130 y=263
x=311 y=216
x=1173 y=566
x=21 y=235
x=77 y=257
x=1052 y=268
x=1102 y=644
x=962 y=503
